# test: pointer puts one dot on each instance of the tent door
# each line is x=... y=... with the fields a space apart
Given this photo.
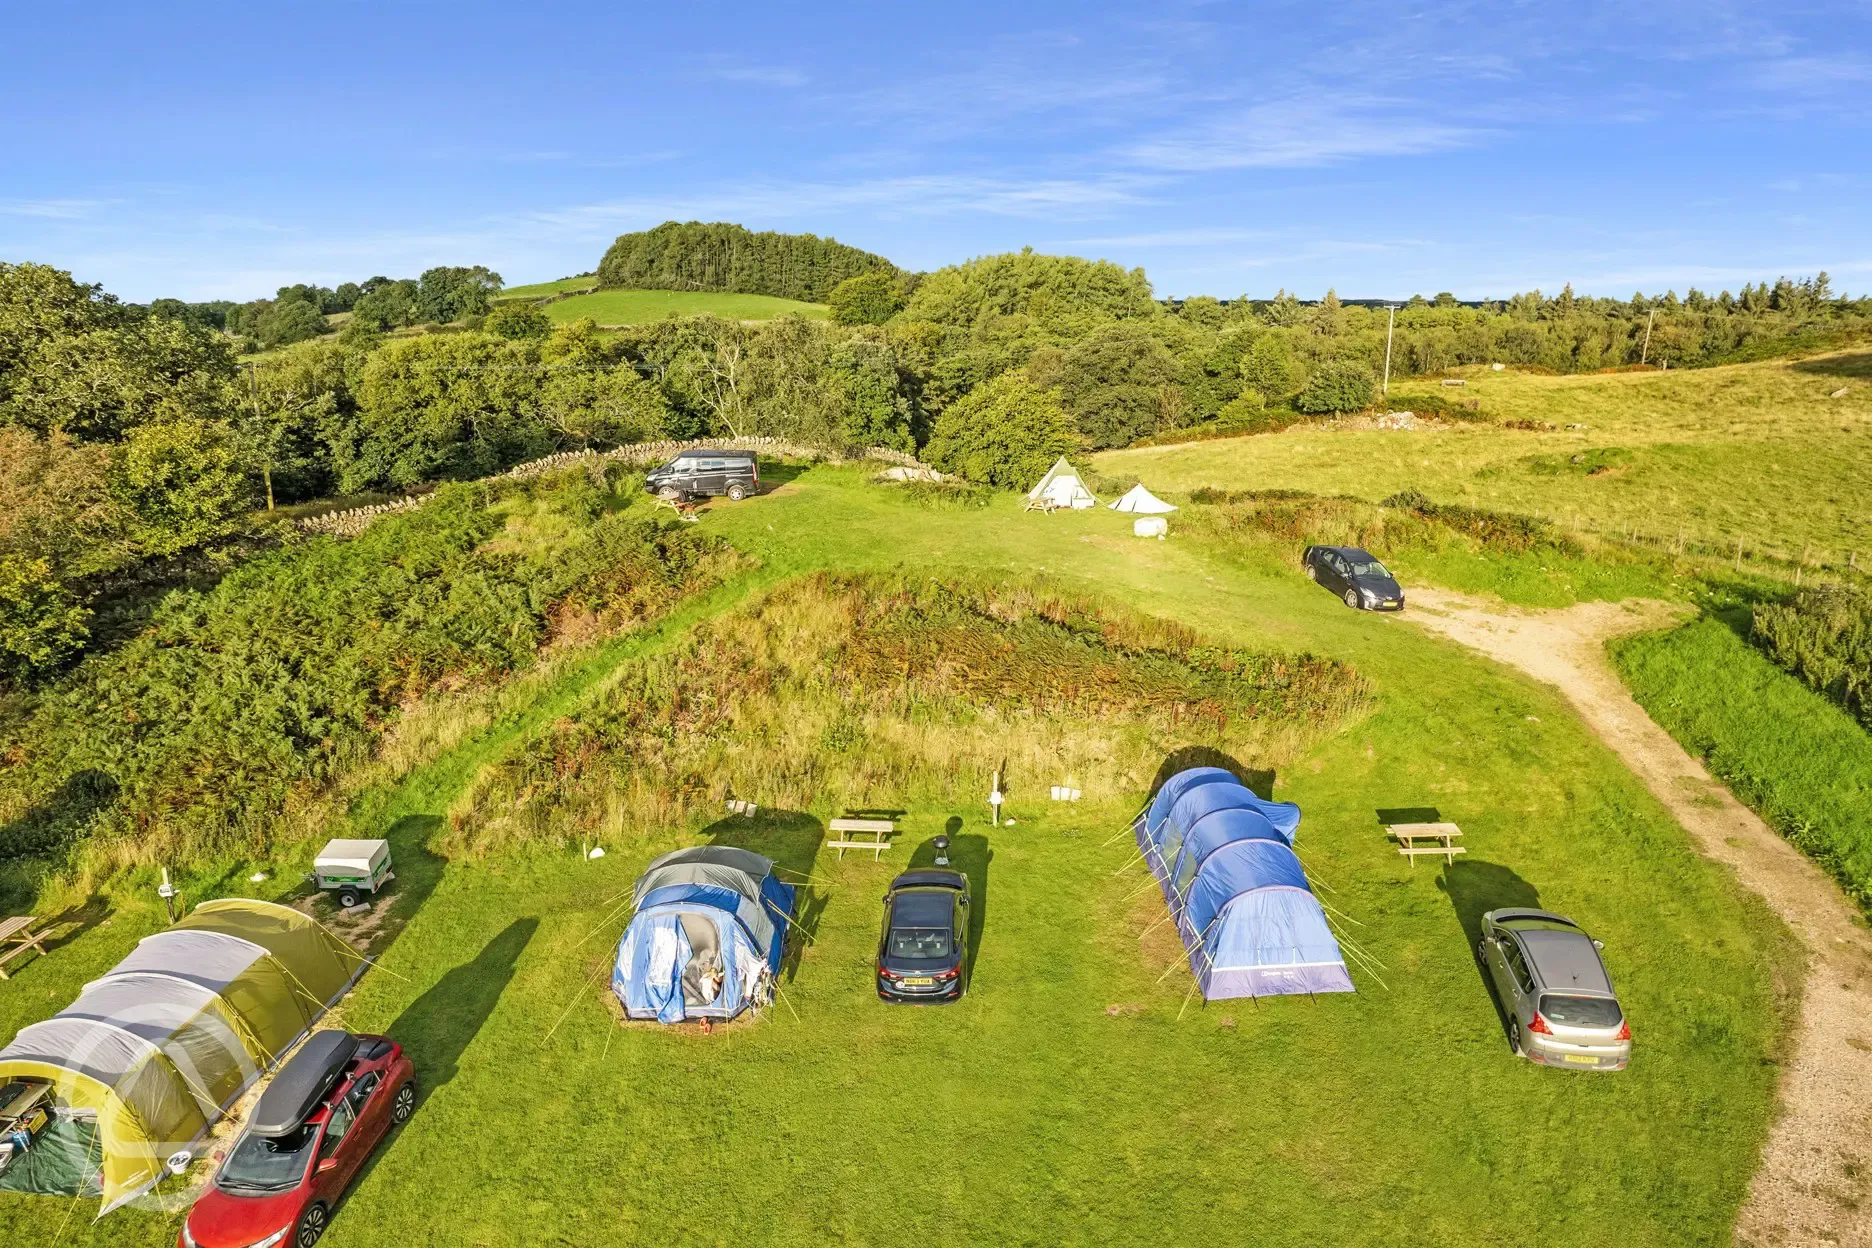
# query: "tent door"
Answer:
x=701 y=975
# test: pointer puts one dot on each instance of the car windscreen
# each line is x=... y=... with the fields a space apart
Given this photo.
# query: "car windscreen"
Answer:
x=1569 y=1011
x=1367 y=567
x=267 y=1163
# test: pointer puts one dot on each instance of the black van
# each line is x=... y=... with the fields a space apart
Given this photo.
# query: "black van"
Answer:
x=706 y=473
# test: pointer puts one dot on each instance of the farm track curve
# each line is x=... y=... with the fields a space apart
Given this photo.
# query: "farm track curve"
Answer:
x=1814 y=1182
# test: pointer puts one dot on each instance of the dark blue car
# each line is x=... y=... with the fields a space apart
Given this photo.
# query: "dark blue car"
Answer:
x=923 y=952
x=1355 y=575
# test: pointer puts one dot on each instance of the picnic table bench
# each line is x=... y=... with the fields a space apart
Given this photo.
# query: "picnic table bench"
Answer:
x=19 y=932
x=877 y=830
x=685 y=509
x=1043 y=504
x=1416 y=839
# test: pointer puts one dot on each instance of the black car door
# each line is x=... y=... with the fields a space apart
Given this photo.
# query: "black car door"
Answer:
x=1336 y=571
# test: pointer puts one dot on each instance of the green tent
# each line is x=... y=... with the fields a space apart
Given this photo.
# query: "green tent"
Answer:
x=153 y=1053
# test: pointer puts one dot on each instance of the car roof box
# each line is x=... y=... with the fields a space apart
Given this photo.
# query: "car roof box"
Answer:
x=297 y=1090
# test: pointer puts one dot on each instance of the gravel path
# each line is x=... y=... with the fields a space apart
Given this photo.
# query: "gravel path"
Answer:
x=1814 y=1185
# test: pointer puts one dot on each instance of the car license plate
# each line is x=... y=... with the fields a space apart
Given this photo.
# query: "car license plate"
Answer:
x=1581 y=1059
x=918 y=981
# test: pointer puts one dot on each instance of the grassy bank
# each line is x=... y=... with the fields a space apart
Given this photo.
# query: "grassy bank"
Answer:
x=630 y=307
x=1797 y=758
x=1071 y=1098
x=1756 y=452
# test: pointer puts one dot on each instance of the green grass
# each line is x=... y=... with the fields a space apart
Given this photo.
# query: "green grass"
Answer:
x=1797 y=758
x=631 y=307
x=1757 y=452
x=539 y=290
x=1064 y=1101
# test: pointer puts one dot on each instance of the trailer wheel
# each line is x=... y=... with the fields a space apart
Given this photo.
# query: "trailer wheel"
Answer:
x=348 y=897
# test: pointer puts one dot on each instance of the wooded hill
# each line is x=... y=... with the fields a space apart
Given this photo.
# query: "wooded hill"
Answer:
x=720 y=256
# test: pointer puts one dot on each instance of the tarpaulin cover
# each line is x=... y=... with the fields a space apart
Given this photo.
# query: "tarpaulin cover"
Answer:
x=1238 y=893
x=159 y=1046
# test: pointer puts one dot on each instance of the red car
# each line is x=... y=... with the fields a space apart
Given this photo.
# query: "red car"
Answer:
x=315 y=1125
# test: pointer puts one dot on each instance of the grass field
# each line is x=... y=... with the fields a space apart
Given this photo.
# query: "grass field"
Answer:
x=631 y=307
x=1797 y=758
x=1064 y=1101
x=1757 y=452
x=539 y=290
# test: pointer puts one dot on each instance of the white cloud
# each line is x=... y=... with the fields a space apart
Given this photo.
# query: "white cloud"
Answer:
x=1299 y=132
x=52 y=209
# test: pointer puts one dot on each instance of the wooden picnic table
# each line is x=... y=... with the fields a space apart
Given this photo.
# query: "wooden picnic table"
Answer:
x=19 y=932
x=684 y=508
x=878 y=830
x=1043 y=505
x=1417 y=839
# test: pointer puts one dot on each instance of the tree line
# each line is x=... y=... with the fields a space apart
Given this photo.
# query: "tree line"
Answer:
x=441 y=296
x=720 y=256
x=137 y=445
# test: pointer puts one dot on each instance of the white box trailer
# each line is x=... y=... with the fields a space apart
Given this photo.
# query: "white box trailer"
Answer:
x=353 y=869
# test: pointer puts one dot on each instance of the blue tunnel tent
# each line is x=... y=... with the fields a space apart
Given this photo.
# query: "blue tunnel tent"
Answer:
x=705 y=938
x=1237 y=891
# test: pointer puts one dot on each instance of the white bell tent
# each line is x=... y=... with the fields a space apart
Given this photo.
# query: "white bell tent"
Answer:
x=1062 y=487
x=1141 y=501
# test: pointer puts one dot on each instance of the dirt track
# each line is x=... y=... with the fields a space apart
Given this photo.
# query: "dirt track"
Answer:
x=1814 y=1185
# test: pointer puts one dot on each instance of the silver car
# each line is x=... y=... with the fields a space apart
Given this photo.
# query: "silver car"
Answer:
x=1550 y=980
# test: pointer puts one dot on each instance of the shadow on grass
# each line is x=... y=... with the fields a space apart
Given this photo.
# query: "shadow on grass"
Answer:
x=1474 y=888
x=1389 y=815
x=792 y=839
x=1258 y=780
x=50 y=826
x=439 y=1025
x=1857 y=364
x=970 y=854
x=776 y=472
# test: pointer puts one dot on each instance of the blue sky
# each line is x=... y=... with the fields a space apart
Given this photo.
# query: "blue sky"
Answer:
x=1379 y=149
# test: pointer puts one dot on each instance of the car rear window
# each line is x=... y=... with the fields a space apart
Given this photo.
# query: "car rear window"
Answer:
x=1580 y=1011
x=919 y=943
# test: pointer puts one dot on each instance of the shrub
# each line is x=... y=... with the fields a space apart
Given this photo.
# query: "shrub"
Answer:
x=1268 y=367
x=281 y=676
x=41 y=623
x=518 y=318
x=1115 y=382
x=1005 y=433
x=1824 y=636
x=866 y=299
x=1249 y=413
x=1338 y=386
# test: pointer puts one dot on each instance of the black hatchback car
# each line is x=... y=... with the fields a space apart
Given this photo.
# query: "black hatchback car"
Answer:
x=1355 y=575
x=923 y=952
x=706 y=473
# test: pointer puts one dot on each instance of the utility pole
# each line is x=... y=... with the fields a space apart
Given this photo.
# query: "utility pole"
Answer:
x=1390 y=324
x=266 y=463
x=1645 y=354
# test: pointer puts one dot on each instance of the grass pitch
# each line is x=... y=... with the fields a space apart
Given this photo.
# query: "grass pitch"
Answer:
x=631 y=307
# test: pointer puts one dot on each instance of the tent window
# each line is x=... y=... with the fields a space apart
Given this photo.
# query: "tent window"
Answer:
x=1186 y=871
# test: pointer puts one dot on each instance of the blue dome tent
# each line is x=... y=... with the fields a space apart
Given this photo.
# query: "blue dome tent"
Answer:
x=1239 y=895
x=706 y=937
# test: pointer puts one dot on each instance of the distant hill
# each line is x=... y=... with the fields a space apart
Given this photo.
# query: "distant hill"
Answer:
x=726 y=257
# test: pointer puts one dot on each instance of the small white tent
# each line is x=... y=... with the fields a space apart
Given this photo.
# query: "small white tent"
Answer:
x=1143 y=502
x=1062 y=487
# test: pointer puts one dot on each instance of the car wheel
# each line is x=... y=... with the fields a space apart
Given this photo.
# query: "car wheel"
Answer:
x=1351 y=599
x=311 y=1227
x=737 y=492
x=669 y=493
x=1514 y=1036
x=404 y=1105
x=1312 y=572
x=348 y=897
